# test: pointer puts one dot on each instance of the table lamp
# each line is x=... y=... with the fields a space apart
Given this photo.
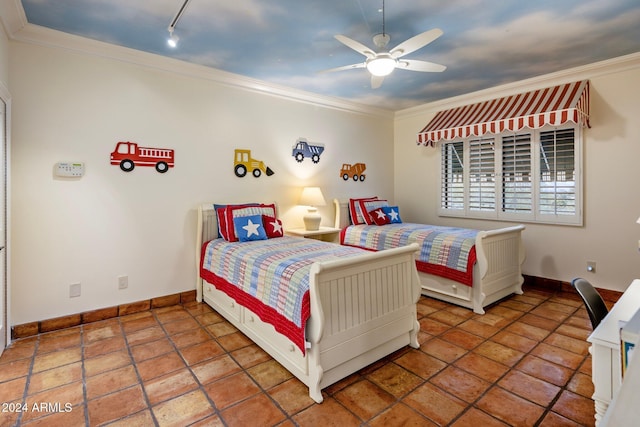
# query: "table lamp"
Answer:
x=312 y=197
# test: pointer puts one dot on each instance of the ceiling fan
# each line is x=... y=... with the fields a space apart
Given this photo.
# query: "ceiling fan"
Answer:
x=381 y=64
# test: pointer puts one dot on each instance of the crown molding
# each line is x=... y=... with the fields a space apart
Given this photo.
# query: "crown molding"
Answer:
x=19 y=30
x=609 y=66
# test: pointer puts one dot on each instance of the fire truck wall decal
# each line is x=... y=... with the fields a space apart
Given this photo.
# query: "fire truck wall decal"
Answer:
x=303 y=148
x=243 y=163
x=128 y=155
x=353 y=171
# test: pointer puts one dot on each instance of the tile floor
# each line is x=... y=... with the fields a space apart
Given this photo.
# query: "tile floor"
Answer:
x=524 y=363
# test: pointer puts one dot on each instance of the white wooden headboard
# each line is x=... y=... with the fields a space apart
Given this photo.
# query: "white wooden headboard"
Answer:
x=342 y=219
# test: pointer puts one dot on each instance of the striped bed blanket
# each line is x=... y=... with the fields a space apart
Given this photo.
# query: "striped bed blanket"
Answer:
x=270 y=277
x=444 y=251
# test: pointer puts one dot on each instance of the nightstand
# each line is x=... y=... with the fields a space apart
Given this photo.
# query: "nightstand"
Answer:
x=326 y=234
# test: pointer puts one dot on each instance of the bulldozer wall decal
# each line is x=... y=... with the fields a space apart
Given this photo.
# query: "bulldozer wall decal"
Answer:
x=243 y=163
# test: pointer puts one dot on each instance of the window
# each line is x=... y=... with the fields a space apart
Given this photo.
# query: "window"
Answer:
x=528 y=176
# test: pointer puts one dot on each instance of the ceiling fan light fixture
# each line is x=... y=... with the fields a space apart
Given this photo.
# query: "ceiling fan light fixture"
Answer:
x=382 y=65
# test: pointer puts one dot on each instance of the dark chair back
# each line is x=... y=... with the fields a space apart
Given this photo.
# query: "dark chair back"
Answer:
x=594 y=303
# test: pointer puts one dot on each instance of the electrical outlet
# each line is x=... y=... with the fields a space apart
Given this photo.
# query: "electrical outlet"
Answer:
x=74 y=290
x=123 y=282
x=591 y=266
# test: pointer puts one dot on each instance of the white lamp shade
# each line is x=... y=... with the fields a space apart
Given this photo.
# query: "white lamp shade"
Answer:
x=312 y=196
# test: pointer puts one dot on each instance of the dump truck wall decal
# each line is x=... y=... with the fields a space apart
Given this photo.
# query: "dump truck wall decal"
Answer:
x=302 y=148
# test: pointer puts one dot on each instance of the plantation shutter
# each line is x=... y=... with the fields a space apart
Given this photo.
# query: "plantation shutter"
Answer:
x=517 y=190
x=482 y=174
x=557 y=172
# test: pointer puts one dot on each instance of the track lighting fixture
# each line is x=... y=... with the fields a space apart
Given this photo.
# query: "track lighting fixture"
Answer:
x=173 y=39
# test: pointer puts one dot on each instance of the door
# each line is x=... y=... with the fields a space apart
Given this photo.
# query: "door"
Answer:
x=4 y=324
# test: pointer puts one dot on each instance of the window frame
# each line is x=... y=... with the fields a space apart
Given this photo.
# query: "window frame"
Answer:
x=499 y=214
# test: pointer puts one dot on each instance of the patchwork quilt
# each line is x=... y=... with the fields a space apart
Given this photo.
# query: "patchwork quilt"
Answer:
x=444 y=251
x=270 y=277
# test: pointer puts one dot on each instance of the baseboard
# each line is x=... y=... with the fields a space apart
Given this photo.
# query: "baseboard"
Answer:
x=49 y=325
x=562 y=286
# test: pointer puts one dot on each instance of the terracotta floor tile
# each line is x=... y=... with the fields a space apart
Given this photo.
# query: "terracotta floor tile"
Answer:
x=145 y=335
x=482 y=367
x=107 y=362
x=12 y=390
x=111 y=381
x=549 y=313
x=493 y=320
x=54 y=341
x=138 y=321
x=16 y=369
x=101 y=330
x=269 y=374
x=558 y=355
x=531 y=388
x=574 y=345
x=19 y=349
x=395 y=379
x=577 y=332
x=232 y=389
x=221 y=329
x=420 y=363
x=544 y=370
x=461 y=384
x=54 y=359
x=432 y=327
x=66 y=394
x=514 y=341
x=477 y=418
x=499 y=353
x=556 y=420
x=575 y=407
x=446 y=317
x=365 y=399
x=181 y=325
x=435 y=403
x=214 y=369
x=152 y=368
x=171 y=314
x=104 y=346
x=329 y=413
x=478 y=328
x=443 y=350
x=201 y=352
x=233 y=341
x=559 y=305
x=64 y=417
x=504 y=311
x=515 y=304
x=400 y=415
x=116 y=405
x=55 y=377
x=581 y=384
x=183 y=410
x=169 y=386
x=151 y=349
x=539 y=322
x=510 y=408
x=209 y=318
x=529 y=331
x=189 y=338
x=462 y=339
x=139 y=419
x=250 y=356
x=292 y=396
x=244 y=413
x=529 y=297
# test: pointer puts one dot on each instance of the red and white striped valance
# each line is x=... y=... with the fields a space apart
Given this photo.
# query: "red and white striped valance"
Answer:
x=552 y=106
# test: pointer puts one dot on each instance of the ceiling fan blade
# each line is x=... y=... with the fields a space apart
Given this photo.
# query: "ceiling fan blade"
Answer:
x=416 y=65
x=357 y=46
x=415 y=43
x=344 y=67
x=376 y=81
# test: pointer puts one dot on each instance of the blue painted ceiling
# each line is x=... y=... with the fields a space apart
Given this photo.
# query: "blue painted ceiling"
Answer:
x=287 y=42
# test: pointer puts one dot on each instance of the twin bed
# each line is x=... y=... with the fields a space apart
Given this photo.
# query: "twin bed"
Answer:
x=325 y=311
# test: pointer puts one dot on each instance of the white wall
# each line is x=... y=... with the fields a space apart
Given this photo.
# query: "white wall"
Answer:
x=611 y=176
x=75 y=107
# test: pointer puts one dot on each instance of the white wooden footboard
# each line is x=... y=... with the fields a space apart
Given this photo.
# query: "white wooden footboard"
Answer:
x=496 y=274
x=362 y=309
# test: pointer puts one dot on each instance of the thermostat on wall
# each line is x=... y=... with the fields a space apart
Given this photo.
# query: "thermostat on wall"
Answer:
x=70 y=169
